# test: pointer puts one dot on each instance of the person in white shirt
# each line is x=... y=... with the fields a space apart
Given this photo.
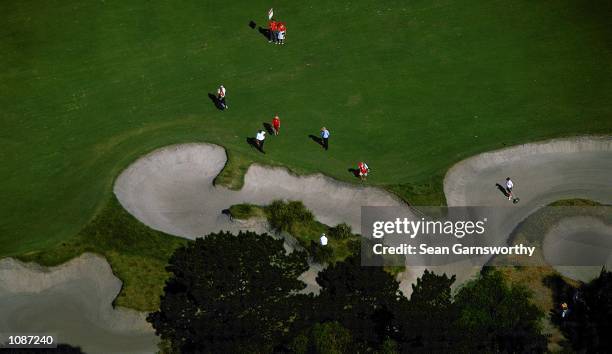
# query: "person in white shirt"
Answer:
x=323 y=240
x=221 y=97
x=509 y=186
x=260 y=139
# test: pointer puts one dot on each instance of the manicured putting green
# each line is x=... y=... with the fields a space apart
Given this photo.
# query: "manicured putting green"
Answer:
x=409 y=87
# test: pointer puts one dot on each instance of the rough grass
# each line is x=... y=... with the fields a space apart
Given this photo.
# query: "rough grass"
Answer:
x=247 y=211
x=137 y=254
x=232 y=175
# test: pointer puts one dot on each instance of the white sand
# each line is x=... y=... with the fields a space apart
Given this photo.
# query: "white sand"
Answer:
x=73 y=302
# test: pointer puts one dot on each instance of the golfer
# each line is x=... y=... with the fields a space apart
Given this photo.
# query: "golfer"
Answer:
x=509 y=186
x=276 y=124
x=363 y=170
x=273 y=29
x=221 y=97
x=282 y=29
x=325 y=138
x=260 y=139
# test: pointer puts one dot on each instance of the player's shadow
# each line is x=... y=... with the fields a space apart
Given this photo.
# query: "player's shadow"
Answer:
x=502 y=189
x=253 y=143
x=264 y=32
x=316 y=139
x=354 y=172
x=268 y=128
x=215 y=101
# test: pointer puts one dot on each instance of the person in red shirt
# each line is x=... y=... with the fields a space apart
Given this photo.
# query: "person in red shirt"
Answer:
x=363 y=170
x=276 y=124
x=273 y=29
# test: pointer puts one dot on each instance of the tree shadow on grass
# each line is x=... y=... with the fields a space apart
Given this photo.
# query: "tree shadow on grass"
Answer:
x=215 y=101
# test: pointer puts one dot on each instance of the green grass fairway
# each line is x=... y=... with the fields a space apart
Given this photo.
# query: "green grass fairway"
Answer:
x=408 y=86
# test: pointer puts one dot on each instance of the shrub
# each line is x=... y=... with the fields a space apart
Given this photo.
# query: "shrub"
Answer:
x=284 y=216
x=340 y=231
x=319 y=253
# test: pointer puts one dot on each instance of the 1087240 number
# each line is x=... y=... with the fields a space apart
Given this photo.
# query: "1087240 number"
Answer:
x=28 y=341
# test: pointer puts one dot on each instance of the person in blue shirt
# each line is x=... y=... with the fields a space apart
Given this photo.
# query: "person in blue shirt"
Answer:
x=325 y=138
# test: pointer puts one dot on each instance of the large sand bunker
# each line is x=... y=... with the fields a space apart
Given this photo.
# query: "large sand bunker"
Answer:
x=577 y=242
x=171 y=189
x=543 y=172
x=73 y=302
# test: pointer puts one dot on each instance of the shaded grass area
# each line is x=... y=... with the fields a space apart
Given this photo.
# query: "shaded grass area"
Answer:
x=540 y=278
x=137 y=254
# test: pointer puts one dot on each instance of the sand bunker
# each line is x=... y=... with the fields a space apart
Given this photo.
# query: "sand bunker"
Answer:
x=171 y=190
x=543 y=172
x=573 y=245
x=74 y=302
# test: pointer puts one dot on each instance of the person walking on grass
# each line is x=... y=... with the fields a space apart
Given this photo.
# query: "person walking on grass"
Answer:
x=325 y=138
x=509 y=186
x=276 y=124
x=260 y=139
x=221 y=97
x=363 y=170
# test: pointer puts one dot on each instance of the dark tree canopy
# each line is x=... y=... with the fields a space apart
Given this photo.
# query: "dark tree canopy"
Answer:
x=588 y=326
x=493 y=316
x=323 y=338
x=428 y=319
x=362 y=299
x=230 y=294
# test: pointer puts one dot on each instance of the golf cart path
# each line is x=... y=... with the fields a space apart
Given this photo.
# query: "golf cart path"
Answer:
x=73 y=301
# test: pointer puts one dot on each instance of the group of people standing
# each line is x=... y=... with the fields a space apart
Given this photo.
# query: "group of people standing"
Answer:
x=277 y=31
